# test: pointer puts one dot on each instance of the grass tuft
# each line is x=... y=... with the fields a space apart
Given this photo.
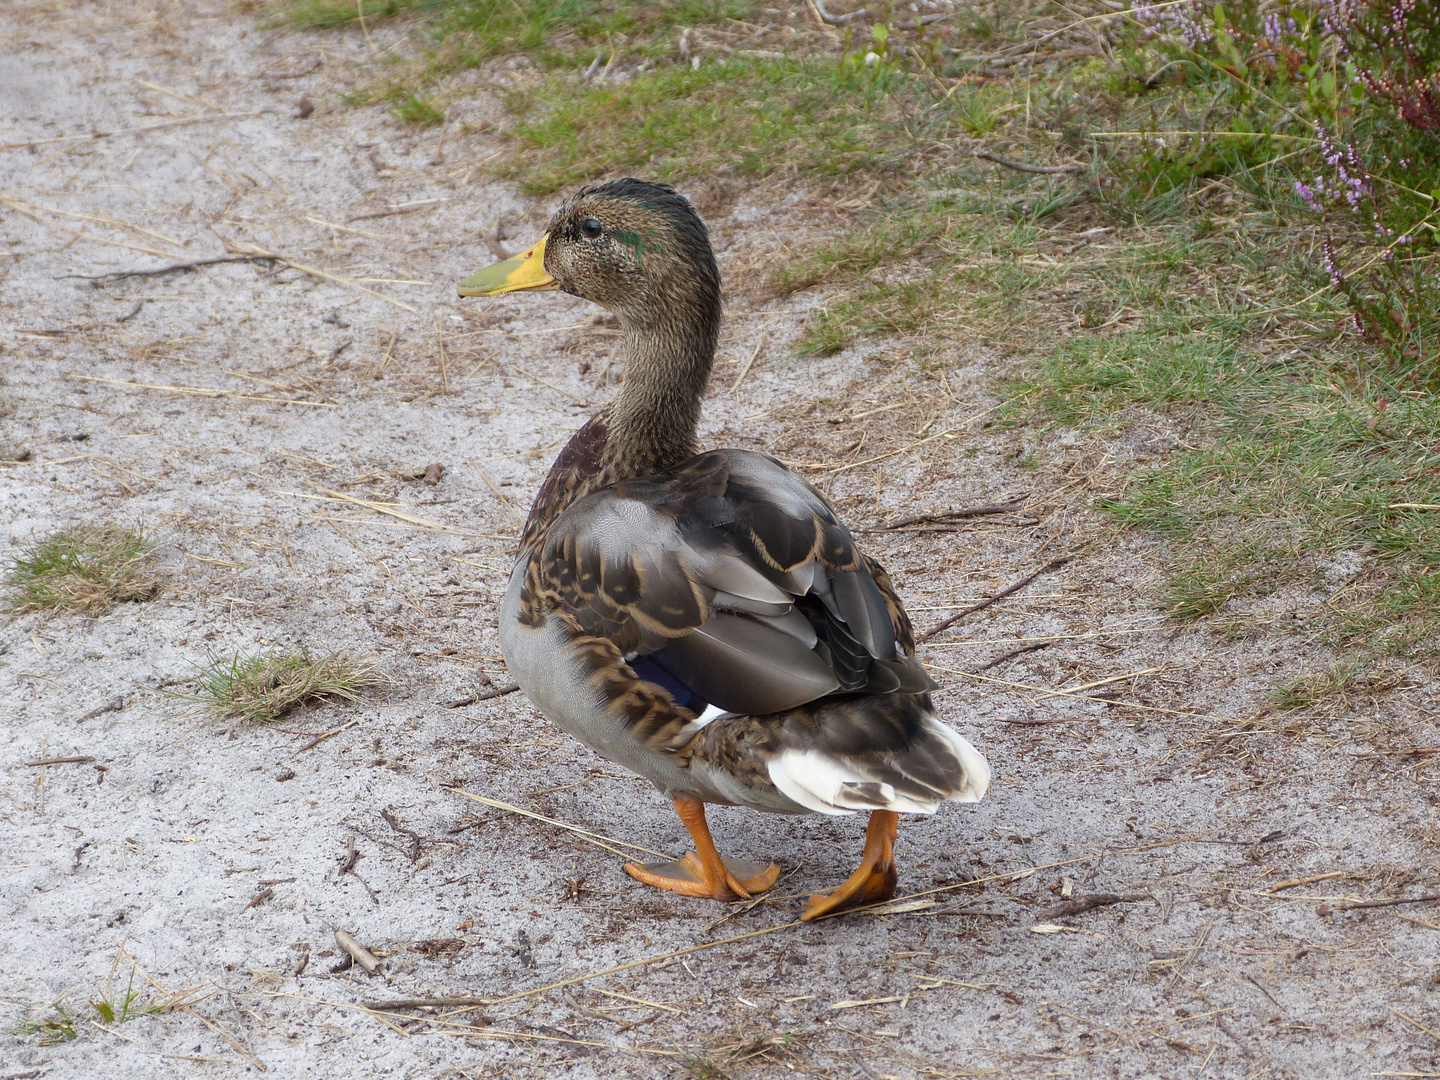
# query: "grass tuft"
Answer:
x=411 y=108
x=61 y=1025
x=61 y=1022
x=1301 y=475
x=775 y=1046
x=266 y=686
x=87 y=568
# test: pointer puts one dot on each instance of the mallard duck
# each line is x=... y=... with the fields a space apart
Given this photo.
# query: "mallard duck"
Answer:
x=704 y=619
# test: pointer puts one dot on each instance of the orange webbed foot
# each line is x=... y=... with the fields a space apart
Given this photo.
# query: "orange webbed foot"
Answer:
x=704 y=872
x=734 y=879
x=874 y=881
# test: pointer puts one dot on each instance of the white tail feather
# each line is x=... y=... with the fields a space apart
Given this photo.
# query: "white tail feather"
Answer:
x=977 y=769
x=812 y=779
x=829 y=785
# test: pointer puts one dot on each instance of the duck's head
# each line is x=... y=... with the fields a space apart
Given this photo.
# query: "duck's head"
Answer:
x=636 y=248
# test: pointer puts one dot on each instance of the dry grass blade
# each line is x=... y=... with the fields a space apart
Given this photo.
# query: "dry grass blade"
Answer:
x=266 y=687
x=349 y=283
x=594 y=838
x=1089 y=697
x=200 y=391
x=378 y=507
x=87 y=568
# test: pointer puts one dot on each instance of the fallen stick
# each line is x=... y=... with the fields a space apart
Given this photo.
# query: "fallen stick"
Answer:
x=423 y=1003
x=75 y=760
x=325 y=735
x=1088 y=903
x=1296 y=882
x=1053 y=564
x=1013 y=653
x=951 y=515
x=1389 y=903
x=96 y=280
x=1020 y=166
x=1053 y=720
x=499 y=691
x=259 y=898
x=357 y=952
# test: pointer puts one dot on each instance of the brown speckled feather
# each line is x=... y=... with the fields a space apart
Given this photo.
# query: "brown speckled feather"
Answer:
x=728 y=582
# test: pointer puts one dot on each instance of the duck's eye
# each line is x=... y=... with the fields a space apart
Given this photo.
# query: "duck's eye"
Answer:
x=592 y=228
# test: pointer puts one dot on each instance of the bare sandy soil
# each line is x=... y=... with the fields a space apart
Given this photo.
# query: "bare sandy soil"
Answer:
x=1237 y=835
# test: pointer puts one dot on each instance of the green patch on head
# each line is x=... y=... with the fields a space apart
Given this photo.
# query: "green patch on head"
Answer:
x=632 y=240
x=87 y=568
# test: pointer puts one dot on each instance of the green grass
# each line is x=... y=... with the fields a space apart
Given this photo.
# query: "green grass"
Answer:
x=460 y=34
x=412 y=108
x=555 y=31
x=741 y=116
x=264 y=687
x=62 y=1022
x=59 y=1024
x=86 y=568
x=1176 y=271
x=1299 y=461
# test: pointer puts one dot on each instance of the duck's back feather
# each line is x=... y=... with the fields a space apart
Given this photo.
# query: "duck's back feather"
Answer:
x=732 y=575
x=728 y=586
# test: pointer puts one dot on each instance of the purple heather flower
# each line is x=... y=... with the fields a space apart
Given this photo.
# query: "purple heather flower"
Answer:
x=1331 y=265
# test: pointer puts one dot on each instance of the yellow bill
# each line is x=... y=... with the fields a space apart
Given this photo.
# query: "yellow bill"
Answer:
x=523 y=271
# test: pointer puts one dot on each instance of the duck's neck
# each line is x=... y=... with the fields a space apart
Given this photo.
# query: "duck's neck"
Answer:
x=650 y=428
x=652 y=423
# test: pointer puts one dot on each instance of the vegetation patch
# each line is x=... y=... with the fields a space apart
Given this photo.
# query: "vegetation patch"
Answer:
x=266 y=686
x=87 y=568
x=1306 y=475
x=61 y=1021
x=1226 y=215
x=738 y=116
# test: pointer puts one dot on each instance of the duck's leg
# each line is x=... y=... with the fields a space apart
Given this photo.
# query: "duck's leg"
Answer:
x=704 y=872
x=874 y=881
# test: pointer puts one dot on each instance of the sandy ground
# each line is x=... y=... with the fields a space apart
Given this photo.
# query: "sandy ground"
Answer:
x=1185 y=793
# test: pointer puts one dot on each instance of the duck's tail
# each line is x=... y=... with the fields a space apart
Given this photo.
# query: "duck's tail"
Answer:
x=861 y=761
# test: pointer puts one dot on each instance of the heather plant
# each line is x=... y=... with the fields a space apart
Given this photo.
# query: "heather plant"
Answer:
x=1364 y=77
x=1394 y=47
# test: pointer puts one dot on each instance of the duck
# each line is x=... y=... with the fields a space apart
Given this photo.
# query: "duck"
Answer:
x=703 y=618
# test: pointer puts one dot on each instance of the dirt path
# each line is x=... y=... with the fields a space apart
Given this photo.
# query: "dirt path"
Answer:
x=1184 y=794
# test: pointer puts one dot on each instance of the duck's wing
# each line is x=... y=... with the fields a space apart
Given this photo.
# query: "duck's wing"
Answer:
x=728 y=582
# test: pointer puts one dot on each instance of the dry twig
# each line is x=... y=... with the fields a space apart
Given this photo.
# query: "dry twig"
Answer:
x=1014 y=587
x=1020 y=166
x=499 y=691
x=357 y=952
